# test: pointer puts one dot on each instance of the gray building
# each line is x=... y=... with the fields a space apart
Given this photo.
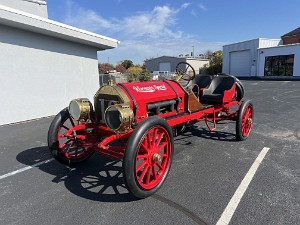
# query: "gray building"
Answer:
x=168 y=63
x=44 y=64
x=262 y=57
x=241 y=59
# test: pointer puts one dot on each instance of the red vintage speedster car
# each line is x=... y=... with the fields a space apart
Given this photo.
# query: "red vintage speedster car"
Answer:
x=136 y=122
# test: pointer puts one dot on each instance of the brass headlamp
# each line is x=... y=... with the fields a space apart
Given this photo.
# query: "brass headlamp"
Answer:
x=119 y=118
x=80 y=109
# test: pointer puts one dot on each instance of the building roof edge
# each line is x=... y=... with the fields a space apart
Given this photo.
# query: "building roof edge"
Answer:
x=23 y=20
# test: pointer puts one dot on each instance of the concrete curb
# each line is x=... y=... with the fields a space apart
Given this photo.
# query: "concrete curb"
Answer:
x=273 y=78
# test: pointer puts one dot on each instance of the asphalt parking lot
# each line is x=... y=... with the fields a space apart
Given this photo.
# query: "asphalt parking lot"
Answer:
x=207 y=170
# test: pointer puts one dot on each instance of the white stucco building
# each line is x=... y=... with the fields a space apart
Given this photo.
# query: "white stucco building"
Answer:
x=279 y=60
x=44 y=64
x=264 y=57
x=168 y=63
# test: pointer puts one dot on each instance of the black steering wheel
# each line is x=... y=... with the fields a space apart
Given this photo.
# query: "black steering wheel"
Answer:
x=184 y=71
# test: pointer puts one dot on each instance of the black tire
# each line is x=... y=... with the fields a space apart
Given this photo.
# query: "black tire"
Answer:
x=53 y=142
x=244 y=120
x=130 y=171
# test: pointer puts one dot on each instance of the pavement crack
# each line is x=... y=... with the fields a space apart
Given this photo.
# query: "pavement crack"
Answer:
x=297 y=133
x=180 y=208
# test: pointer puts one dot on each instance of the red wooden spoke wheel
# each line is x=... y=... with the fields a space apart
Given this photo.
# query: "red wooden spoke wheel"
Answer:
x=245 y=120
x=71 y=147
x=148 y=157
x=67 y=149
x=153 y=157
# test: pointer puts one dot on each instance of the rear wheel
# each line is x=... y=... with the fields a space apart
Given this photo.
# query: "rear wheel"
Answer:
x=66 y=150
x=244 y=121
x=148 y=157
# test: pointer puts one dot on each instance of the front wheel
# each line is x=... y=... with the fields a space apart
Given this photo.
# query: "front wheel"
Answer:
x=244 y=120
x=148 y=157
x=66 y=150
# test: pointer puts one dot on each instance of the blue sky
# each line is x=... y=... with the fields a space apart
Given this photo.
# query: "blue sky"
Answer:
x=151 y=28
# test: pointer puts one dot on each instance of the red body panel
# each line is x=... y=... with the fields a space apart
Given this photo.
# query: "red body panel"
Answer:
x=144 y=93
x=229 y=94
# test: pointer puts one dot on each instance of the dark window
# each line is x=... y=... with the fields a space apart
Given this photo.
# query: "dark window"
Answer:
x=280 y=65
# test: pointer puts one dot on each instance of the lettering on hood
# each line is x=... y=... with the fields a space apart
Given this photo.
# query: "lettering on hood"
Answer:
x=150 y=88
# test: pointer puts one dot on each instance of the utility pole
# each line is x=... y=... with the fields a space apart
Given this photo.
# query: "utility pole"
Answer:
x=193 y=51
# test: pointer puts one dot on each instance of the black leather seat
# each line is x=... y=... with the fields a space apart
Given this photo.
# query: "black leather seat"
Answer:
x=215 y=92
x=203 y=81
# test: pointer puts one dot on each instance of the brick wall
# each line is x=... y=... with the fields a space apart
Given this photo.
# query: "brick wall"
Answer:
x=291 y=40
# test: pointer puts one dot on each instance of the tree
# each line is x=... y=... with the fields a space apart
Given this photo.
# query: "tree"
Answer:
x=120 y=68
x=217 y=58
x=215 y=63
x=127 y=63
x=208 y=54
x=105 y=67
x=145 y=75
x=137 y=73
x=144 y=66
x=133 y=73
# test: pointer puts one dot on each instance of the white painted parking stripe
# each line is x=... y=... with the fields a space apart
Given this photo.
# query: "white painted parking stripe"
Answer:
x=24 y=169
x=235 y=200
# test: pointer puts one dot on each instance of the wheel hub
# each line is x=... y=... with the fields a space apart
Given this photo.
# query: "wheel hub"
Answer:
x=250 y=120
x=157 y=157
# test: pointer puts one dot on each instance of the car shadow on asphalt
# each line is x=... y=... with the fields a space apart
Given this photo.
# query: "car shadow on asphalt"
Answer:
x=99 y=178
x=193 y=131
